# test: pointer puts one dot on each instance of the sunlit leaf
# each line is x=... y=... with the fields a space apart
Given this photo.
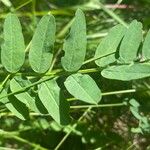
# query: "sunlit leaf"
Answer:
x=109 y=44
x=41 y=52
x=127 y=72
x=53 y=100
x=131 y=42
x=146 y=47
x=83 y=87
x=13 y=49
x=75 y=44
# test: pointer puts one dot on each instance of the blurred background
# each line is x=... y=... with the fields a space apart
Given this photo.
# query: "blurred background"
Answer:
x=106 y=128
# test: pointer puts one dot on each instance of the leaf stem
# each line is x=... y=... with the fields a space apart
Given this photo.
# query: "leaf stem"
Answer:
x=71 y=129
x=98 y=106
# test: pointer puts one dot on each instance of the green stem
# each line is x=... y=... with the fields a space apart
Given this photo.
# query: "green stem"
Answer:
x=24 y=4
x=112 y=14
x=71 y=107
x=98 y=106
x=71 y=129
x=95 y=58
x=27 y=87
x=120 y=92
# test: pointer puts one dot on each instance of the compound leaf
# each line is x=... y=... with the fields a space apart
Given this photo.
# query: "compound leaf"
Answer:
x=109 y=44
x=131 y=42
x=127 y=72
x=13 y=49
x=75 y=44
x=53 y=100
x=83 y=87
x=41 y=51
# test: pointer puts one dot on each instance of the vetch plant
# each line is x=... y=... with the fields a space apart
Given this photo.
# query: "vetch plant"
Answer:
x=122 y=55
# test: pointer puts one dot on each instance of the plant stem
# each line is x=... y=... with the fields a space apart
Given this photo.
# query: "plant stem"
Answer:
x=24 y=4
x=120 y=92
x=98 y=106
x=71 y=107
x=72 y=128
x=112 y=14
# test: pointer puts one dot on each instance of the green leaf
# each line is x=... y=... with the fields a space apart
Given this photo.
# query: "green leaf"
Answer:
x=13 y=49
x=134 y=103
x=127 y=72
x=41 y=52
x=131 y=42
x=53 y=100
x=18 y=83
x=75 y=44
x=109 y=44
x=146 y=47
x=18 y=108
x=83 y=87
x=135 y=112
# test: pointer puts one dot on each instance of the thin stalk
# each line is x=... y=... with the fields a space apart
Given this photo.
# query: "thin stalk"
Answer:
x=112 y=14
x=71 y=107
x=24 y=4
x=95 y=58
x=27 y=87
x=71 y=129
x=2 y=86
x=120 y=92
x=19 y=139
x=98 y=106
x=65 y=29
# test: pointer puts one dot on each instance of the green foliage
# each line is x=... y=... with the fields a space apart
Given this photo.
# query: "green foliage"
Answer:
x=75 y=44
x=146 y=47
x=13 y=49
x=41 y=52
x=84 y=88
x=127 y=72
x=131 y=42
x=39 y=93
x=18 y=83
x=109 y=45
x=18 y=108
x=53 y=100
